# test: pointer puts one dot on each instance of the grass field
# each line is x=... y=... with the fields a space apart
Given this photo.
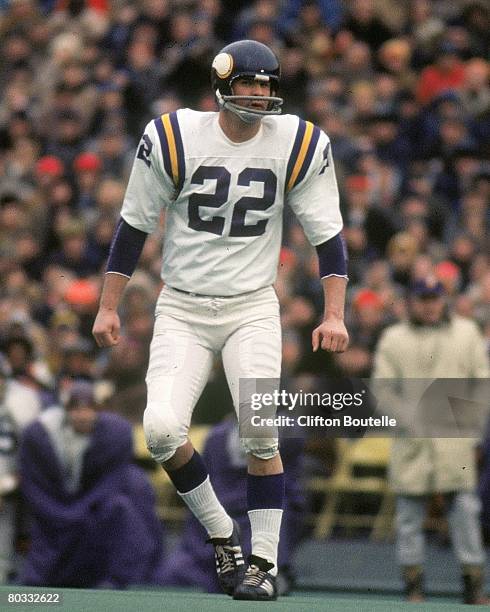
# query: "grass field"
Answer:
x=184 y=601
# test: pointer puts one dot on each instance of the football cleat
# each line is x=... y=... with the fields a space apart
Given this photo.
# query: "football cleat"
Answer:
x=257 y=584
x=228 y=555
x=251 y=59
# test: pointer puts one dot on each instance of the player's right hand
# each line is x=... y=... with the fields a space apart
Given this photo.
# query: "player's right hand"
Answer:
x=106 y=328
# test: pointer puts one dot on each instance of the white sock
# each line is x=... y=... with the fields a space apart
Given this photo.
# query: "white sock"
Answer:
x=206 y=507
x=266 y=525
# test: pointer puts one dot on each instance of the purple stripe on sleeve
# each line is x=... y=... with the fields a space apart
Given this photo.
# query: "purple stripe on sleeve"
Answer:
x=332 y=257
x=164 y=146
x=180 y=149
x=309 y=155
x=295 y=150
x=127 y=244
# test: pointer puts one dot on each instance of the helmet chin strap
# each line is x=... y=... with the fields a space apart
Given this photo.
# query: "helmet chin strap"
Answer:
x=248 y=115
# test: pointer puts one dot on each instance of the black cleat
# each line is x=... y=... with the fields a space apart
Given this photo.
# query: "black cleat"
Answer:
x=228 y=555
x=258 y=584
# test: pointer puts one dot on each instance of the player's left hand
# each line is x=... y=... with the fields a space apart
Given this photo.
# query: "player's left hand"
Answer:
x=331 y=335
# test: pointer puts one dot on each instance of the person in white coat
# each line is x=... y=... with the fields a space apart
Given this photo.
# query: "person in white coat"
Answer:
x=432 y=344
x=19 y=406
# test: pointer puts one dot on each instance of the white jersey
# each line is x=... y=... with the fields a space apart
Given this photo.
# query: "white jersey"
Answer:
x=224 y=200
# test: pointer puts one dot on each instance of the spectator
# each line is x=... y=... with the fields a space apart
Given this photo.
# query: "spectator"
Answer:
x=475 y=92
x=365 y=24
x=449 y=275
x=425 y=27
x=328 y=12
x=368 y=318
x=421 y=467
x=394 y=57
x=114 y=152
x=19 y=406
x=447 y=73
x=73 y=254
x=81 y=295
x=93 y=519
x=99 y=241
x=67 y=140
x=402 y=250
x=87 y=167
x=390 y=146
x=26 y=367
x=476 y=19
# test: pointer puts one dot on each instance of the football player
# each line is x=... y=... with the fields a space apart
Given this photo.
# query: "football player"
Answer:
x=223 y=179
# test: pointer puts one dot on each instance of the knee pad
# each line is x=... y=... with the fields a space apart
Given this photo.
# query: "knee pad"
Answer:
x=164 y=433
x=262 y=448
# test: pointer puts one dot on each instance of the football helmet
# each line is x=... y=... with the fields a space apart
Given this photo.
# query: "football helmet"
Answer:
x=246 y=58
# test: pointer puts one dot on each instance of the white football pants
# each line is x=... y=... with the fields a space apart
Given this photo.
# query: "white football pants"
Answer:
x=189 y=331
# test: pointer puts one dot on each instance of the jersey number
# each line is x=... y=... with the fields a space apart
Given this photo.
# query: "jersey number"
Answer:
x=144 y=150
x=222 y=177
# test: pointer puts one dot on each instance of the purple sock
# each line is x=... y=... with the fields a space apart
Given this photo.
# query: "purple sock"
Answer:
x=190 y=475
x=264 y=492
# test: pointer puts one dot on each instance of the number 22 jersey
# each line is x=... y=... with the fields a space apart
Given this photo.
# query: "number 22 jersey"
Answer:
x=224 y=200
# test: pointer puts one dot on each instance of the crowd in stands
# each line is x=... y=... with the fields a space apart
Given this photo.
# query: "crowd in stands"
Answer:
x=401 y=88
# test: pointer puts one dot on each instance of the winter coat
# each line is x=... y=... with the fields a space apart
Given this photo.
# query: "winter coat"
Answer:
x=415 y=355
x=105 y=532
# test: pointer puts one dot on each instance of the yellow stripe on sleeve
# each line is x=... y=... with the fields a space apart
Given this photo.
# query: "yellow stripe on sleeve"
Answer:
x=302 y=154
x=169 y=132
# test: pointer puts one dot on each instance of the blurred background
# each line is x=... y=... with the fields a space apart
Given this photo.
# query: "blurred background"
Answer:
x=402 y=90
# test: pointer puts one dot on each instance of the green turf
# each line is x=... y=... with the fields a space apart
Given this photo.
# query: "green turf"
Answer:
x=184 y=601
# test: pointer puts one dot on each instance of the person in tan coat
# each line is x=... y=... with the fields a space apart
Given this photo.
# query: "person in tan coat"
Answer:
x=432 y=344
